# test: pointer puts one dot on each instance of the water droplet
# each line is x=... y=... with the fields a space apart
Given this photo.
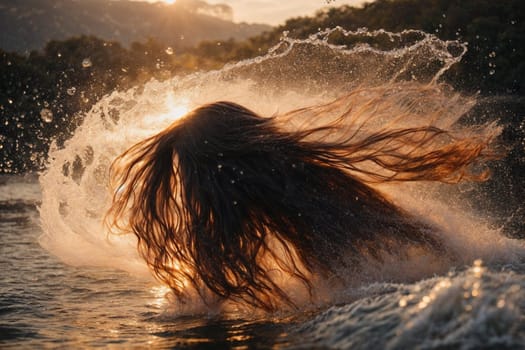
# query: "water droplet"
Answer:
x=59 y=54
x=10 y=101
x=234 y=202
x=492 y=54
x=220 y=154
x=71 y=91
x=241 y=172
x=219 y=166
x=86 y=63
x=492 y=71
x=169 y=50
x=206 y=141
x=232 y=182
x=46 y=115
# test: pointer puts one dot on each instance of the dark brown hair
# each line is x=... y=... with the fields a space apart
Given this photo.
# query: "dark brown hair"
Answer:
x=221 y=192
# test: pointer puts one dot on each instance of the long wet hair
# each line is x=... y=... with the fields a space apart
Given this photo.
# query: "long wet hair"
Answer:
x=223 y=198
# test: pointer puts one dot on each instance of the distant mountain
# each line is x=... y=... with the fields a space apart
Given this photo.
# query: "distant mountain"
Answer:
x=29 y=24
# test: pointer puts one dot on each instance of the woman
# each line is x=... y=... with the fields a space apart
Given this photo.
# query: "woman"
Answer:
x=230 y=204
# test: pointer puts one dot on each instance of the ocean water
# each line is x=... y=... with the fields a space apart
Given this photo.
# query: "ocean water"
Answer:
x=45 y=303
x=66 y=282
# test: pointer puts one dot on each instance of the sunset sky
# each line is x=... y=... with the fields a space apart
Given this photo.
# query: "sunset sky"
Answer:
x=275 y=11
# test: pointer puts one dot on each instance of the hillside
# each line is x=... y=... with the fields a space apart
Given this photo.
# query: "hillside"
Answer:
x=493 y=66
x=30 y=24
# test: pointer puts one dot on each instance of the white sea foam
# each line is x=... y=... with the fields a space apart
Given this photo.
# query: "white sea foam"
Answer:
x=401 y=85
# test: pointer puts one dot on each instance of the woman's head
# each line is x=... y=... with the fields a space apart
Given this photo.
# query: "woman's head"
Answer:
x=197 y=196
x=227 y=204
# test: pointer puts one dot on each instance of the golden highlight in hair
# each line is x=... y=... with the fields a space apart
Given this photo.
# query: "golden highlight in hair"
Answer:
x=223 y=198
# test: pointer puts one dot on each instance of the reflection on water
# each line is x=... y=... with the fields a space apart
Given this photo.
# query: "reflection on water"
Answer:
x=46 y=303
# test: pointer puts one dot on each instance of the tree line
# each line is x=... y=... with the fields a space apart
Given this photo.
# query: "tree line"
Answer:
x=44 y=93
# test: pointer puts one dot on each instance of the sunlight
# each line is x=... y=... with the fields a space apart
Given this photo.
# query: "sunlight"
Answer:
x=170 y=2
x=176 y=109
x=159 y=296
x=157 y=120
x=173 y=110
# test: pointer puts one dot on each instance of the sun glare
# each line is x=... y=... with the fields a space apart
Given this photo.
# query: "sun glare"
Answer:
x=170 y=1
x=176 y=109
x=152 y=123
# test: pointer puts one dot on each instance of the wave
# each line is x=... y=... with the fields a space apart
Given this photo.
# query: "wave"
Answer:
x=389 y=78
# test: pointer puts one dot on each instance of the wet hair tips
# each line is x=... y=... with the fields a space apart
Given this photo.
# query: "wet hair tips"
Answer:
x=226 y=203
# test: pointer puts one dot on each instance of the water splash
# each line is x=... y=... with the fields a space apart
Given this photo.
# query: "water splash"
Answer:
x=47 y=115
x=394 y=77
x=86 y=62
x=474 y=308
